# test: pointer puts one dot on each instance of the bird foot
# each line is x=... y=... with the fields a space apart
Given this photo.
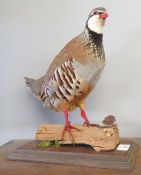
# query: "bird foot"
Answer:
x=91 y=124
x=68 y=127
x=87 y=123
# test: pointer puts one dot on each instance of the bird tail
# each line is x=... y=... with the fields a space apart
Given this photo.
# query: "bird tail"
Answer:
x=28 y=81
x=34 y=85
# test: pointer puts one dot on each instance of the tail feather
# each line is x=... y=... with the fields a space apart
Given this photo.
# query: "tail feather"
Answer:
x=34 y=85
x=28 y=81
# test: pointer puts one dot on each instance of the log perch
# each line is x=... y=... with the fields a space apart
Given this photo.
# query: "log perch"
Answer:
x=101 y=138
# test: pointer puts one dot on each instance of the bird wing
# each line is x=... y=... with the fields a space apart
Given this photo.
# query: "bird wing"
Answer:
x=65 y=84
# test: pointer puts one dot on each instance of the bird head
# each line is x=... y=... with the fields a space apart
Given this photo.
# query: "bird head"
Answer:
x=96 y=19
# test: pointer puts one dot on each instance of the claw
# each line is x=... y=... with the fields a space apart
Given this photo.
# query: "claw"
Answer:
x=91 y=124
x=86 y=124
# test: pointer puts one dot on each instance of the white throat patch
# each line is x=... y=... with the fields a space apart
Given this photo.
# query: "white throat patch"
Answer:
x=95 y=24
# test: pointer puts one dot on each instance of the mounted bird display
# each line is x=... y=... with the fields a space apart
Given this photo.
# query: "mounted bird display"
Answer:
x=74 y=72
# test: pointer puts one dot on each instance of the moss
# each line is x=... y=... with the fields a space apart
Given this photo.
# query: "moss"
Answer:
x=57 y=144
x=49 y=143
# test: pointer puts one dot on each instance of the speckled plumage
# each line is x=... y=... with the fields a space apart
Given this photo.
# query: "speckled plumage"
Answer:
x=73 y=73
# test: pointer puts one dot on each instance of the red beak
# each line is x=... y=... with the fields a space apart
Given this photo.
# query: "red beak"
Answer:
x=104 y=15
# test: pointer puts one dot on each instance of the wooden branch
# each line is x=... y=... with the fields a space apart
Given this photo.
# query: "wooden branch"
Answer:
x=100 y=138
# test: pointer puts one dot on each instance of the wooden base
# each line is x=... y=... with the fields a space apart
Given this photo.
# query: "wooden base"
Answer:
x=78 y=155
x=101 y=138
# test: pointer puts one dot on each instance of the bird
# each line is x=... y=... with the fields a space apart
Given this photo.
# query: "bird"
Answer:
x=74 y=71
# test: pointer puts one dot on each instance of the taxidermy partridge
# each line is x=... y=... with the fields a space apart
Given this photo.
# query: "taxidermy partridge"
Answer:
x=74 y=72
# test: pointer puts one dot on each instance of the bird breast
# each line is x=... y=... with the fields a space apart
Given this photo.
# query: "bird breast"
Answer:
x=91 y=71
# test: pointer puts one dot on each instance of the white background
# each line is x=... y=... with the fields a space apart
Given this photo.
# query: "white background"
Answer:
x=32 y=32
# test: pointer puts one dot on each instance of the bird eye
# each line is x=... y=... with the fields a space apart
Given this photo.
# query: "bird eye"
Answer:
x=100 y=13
x=95 y=13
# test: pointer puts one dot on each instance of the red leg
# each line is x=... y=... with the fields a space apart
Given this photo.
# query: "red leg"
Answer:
x=84 y=116
x=67 y=127
x=86 y=121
